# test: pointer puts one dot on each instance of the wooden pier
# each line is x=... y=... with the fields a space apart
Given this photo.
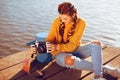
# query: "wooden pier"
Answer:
x=11 y=67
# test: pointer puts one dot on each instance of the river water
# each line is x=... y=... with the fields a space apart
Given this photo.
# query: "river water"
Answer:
x=20 y=20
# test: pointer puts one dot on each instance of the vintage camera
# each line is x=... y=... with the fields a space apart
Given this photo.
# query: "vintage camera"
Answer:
x=42 y=47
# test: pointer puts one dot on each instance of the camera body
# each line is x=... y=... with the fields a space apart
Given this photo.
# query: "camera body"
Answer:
x=42 y=47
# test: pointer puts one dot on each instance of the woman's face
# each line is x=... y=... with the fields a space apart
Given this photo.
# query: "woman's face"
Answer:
x=65 y=18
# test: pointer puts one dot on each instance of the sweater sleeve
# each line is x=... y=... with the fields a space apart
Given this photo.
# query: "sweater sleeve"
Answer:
x=51 y=34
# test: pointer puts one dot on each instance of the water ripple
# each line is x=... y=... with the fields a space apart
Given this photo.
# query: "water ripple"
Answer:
x=20 y=20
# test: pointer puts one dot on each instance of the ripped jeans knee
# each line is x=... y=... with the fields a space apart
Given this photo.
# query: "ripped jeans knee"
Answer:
x=69 y=60
x=65 y=60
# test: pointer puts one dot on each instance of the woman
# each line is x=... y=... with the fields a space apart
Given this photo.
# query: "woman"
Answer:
x=65 y=34
x=65 y=45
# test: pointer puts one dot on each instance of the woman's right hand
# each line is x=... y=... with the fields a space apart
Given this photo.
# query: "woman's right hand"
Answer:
x=33 y=49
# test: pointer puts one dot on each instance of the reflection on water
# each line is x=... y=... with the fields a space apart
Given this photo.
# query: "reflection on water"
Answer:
x=20 y=20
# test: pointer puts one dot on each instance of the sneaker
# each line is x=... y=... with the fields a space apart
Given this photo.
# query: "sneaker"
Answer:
x=100 y=79
x=114 y=72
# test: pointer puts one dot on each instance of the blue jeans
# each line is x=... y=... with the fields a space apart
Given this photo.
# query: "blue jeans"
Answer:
x=80 y=54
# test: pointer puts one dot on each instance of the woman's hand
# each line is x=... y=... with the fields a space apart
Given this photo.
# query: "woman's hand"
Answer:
x=51 y=47
x=33 y=48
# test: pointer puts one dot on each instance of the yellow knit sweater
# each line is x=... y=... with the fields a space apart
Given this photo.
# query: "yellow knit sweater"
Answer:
x=74 y=40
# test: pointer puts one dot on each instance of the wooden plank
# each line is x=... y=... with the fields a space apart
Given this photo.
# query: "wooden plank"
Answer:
x=12 y=60
x=35 y=65
x=11 y=65
x=54 y=72
x=14 y=70
x=7 y=73
x=54 y=68
x=68 y=74
x=115 y=62
x=51 y=71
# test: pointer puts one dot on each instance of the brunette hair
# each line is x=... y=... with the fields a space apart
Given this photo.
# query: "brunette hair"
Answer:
x=68 y=9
